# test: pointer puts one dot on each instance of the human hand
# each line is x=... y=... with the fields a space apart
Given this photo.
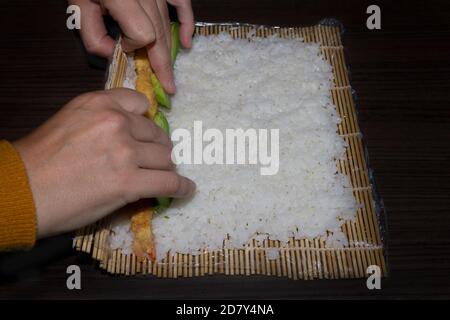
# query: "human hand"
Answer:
x=97 y=154
x=143 y=23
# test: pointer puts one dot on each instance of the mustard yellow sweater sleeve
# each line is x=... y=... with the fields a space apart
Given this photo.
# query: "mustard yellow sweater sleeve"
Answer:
x=17 y=210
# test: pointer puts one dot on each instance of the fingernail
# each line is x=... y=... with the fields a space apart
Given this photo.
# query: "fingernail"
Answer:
x=171 y=88
x=191 y=188
x=189 y=43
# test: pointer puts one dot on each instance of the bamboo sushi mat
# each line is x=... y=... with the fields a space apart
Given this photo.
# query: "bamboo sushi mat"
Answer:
x=299 y=258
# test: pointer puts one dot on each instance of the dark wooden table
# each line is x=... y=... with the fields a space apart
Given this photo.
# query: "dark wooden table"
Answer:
x=401 y=76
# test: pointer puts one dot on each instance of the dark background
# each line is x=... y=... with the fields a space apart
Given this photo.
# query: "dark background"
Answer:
x=401 y=76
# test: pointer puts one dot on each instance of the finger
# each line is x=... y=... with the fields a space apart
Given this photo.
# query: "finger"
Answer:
x=158 y=51
x=129 y=100
x=132 y=105
x=93 y=31
x=186 y=18
x=156 y=183
x=136 y=104
x=145 y=130
x=137 y=28
x=162 y=66
x=154 y=156
x=164 y=14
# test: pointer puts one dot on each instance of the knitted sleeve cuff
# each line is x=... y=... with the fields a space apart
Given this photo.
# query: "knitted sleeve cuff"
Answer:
x=17 y=210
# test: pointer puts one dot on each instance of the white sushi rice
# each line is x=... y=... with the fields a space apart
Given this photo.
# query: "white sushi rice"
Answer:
x=263 y=83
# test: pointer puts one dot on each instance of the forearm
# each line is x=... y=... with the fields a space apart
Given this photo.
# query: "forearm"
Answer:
x=17 y=210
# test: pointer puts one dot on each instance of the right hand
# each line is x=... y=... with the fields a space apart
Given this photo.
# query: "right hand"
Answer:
x=97 y=154
x=144 y=23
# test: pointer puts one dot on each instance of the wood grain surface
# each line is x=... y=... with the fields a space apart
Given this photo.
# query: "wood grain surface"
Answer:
x=401 y=77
